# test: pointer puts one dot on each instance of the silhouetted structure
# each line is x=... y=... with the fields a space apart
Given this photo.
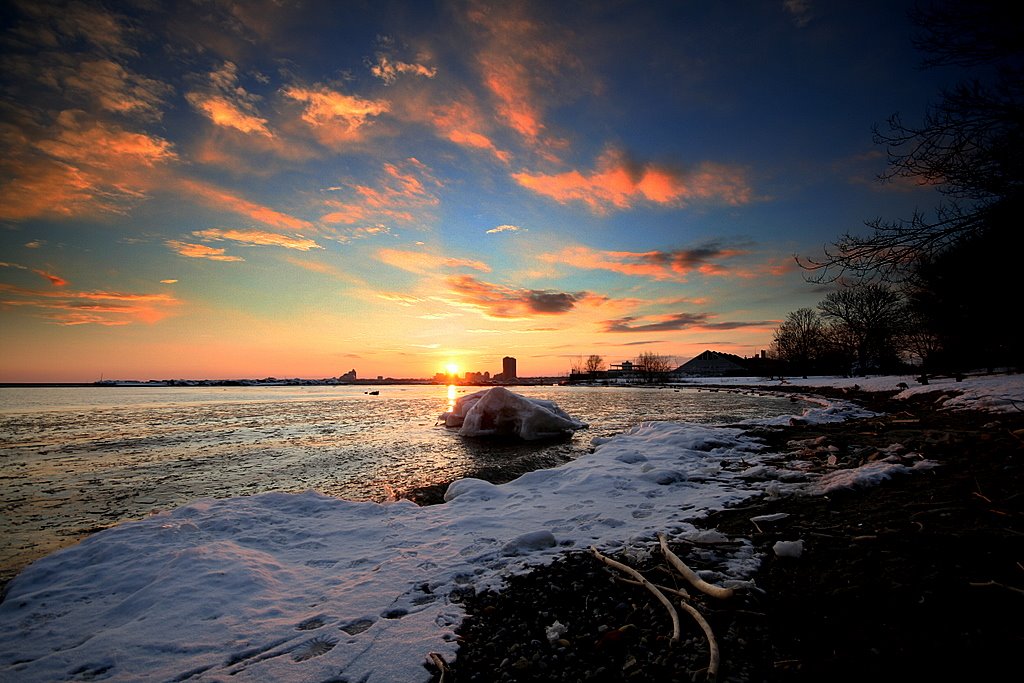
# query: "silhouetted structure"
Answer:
x=508 y=368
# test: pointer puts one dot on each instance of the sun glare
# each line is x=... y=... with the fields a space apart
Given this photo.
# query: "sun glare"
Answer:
x=451 y=369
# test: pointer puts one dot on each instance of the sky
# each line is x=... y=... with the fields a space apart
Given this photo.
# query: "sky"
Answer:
x=219 y=189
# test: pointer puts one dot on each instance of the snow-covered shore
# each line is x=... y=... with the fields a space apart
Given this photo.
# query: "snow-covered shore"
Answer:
x=300 y=587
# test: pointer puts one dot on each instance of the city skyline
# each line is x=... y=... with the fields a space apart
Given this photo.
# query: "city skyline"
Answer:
x=223 y=190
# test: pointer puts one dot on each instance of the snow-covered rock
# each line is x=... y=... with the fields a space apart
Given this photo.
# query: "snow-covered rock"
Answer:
x=500 y=412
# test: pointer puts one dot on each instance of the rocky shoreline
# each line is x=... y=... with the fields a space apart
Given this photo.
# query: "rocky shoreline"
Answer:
x=920 y=577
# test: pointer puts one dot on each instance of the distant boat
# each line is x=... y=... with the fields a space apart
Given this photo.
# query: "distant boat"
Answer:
x=372 y=393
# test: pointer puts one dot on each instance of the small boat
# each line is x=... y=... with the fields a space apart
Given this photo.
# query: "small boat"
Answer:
x=372 y=393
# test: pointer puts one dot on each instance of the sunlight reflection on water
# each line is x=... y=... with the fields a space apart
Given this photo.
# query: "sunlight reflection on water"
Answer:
x=76 y=459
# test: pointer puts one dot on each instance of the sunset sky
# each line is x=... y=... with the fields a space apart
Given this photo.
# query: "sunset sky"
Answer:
x=228 y=189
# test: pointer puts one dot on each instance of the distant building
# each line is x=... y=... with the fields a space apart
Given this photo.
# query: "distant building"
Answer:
x=714 y=364
x=508 y=368
x=349 y=376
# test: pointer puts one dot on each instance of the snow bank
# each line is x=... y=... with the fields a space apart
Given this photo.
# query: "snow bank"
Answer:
x=500 y=412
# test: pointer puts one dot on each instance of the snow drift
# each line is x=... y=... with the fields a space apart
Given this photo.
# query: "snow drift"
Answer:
x=500 y=412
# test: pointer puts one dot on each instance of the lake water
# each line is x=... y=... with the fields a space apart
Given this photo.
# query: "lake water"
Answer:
x=77 y=459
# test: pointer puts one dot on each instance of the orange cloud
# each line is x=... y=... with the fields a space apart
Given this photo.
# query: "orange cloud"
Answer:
x=76 y=166
x=424 y=263
x=402 y=191
x=618 y=183
x=55 y=280
x=225 y=102
x=388 y=71
x=461 y=123
x=228 y=114
x=658 y=265
x=221 y=199
x=258 y=237
x=192 y=250
x=335 y=117
x=521 y=62
x=117 y=89
x=499 y=301
x=96 y=307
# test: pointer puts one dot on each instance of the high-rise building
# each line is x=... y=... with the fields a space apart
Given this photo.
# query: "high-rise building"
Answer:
x=508 y=368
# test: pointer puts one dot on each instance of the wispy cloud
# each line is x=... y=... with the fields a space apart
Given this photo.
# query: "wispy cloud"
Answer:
x=620 y=183
x=76 y=166
x=193 y=250
x=227 y=104
x=676 y=264
x=500 y=301
x=224 y=200
x=423 y=263
x=402 y=191
x=258 y=238
x=521 y=60
x=505 y=228
x=334 y=117
x=677 y=322
x=89 y=307
x=389 y=70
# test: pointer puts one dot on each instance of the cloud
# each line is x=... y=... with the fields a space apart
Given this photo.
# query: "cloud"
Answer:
x=424 y=263
x=499 y=301
x=96 y=307
x=800 y=11
x=676 y=264
x=258 y=238
x=228 y=104
x=505 y=228
x=522 y=60
x=168 y=282
x=676 y=322
x=224 y=200
x=192 y=250
x=34 y=244
x=389 y=71
x=75 y=166
x=55 y=280
x=619 y=183
x=461 y=122
x=116 y=89
x=333 y=116
x=402 y=191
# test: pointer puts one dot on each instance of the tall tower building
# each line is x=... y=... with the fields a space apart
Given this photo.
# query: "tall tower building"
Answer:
x=508 y=368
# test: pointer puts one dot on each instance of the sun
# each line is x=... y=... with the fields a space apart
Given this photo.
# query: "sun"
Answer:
x=451 y=368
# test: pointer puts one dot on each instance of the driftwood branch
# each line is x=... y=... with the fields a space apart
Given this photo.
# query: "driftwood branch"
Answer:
x=678 y=592
x=441 y=665
x=712 y=643
x=690 y=575
x=646 y=584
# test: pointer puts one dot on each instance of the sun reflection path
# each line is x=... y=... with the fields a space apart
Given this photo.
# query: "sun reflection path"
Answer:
x=452 y=390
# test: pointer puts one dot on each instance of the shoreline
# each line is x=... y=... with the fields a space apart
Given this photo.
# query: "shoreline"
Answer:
x=915 y=577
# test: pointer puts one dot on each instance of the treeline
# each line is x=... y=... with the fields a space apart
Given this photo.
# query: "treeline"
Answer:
x=939 y=289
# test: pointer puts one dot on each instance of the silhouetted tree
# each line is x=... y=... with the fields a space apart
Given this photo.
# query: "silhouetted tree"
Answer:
x=970 y=144
x=651 y=366
x=594 y=363
x=868 y=320
x=800 y=340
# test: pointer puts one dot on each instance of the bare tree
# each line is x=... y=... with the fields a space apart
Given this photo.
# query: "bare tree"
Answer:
x=652 y=366
x=800 y=339
x=576 y=365
x=870 y=318
x=594 y=363
x=969 y=145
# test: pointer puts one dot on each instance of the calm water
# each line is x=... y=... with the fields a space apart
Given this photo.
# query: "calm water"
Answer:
x=73 y=460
